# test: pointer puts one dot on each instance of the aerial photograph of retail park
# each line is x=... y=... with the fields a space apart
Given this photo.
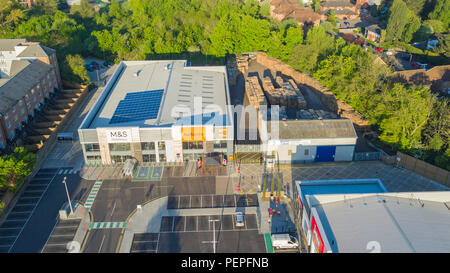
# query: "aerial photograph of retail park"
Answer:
x=224 y=126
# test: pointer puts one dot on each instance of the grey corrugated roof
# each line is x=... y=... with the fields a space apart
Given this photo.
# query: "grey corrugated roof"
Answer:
x=9 y=44
x=398 y=224
x=34 y=50
x=16 y=87
x=309 y=129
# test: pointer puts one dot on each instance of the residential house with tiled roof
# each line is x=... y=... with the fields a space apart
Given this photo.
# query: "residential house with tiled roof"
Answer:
x=436 y=78
x=342 y=8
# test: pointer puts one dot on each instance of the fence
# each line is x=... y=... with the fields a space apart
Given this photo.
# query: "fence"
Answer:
x=425 y=169
x=367 y=156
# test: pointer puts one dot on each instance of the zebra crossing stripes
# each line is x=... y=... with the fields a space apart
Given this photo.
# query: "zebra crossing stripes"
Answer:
x=103 y=225
x=90 y=200
x=67 y=171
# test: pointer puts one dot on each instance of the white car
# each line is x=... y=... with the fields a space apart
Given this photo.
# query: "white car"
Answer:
x=239 y=219
x=284 y=241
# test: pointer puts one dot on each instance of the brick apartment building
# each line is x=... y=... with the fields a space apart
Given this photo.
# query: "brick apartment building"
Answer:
x=29 y=72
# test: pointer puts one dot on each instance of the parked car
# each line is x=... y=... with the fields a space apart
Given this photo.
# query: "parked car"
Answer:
x=284 y=241
x=415 y=65
x=107 y=64
x=93 y=63
x=239 y=219
x=379 y=49
x=89 y=67
x=346 y=23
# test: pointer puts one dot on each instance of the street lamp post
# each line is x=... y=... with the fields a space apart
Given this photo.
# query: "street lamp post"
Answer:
x=68 y=197
x=214 y=234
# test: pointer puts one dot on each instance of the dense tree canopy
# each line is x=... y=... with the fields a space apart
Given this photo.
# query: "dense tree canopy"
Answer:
x=405 y=116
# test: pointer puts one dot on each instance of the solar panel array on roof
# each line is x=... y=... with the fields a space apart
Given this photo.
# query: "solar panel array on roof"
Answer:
x=138 y=106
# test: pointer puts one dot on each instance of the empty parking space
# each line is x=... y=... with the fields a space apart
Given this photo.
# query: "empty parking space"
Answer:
x=145 y=243
x=211 y=201
x=191 y=223
x=166 y=223
x=227 y=222
x=178 y=223
x=229 y=201
x=63 y=233
x=196 y=201
x=207 y=201
x=217 y=201
x=172 y=202
x=185 y=201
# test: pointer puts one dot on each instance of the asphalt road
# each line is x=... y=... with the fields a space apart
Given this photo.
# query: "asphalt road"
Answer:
x=43 y=218
x=102 y=241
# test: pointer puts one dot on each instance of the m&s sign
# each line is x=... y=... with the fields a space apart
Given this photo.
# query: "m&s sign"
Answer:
x=118 y=135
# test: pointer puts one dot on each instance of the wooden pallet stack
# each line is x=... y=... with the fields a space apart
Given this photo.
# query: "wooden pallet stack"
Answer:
x=287 y=95
x=254 y=93
x=242 y=62
x=272 y=93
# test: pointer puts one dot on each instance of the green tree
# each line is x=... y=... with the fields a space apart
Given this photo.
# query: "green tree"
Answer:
x=406 y=111
x=415 y=6
x=332 y=18
x=15 y=167
x=315 y=5
x=441 y=12
x=435 y=25
x=84 y=9
x=74 y=70
x=398 y=18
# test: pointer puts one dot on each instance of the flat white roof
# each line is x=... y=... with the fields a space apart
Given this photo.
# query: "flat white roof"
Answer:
x=399 y=222
x=179 y=85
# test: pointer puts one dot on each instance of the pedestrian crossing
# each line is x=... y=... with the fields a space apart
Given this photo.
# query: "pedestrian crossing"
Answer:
x=102 y=225
x=67 y=171
x=94 y=191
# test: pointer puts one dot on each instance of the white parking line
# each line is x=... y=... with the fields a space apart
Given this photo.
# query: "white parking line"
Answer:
x=26 y=222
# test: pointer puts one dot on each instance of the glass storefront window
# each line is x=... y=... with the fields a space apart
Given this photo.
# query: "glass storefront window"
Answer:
x=193 y=145
x=146 y=146
x=119 y=147
x=149 y=158
x=92 y=147
x=162 y=158
x=94 y=158
x=119 y=158
x=161 y=145
x=220 y=144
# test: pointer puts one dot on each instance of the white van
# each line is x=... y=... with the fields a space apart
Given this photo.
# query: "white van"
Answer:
x=284 y=241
